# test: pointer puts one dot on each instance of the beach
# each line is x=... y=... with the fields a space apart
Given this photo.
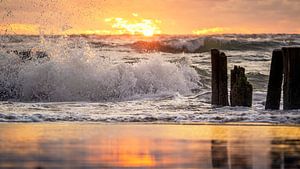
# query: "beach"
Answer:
x=140 y=145
x=173 y=84
x=99 y=102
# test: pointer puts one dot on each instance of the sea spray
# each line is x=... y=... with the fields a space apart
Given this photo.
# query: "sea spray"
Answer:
x=76 y=73
x=103 y=69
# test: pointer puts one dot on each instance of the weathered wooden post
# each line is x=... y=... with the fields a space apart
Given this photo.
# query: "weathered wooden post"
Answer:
x=275 y=81
x=291 y=84
x=241 y=89
x=219 y=78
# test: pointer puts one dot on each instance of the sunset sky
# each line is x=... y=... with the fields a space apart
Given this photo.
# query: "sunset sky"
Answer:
x=149 y=16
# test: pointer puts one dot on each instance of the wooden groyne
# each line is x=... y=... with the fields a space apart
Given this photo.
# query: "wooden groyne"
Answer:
x=285 y=67
x=219 y=78
x=291 y=83
x=241 y=89
x=275 y=81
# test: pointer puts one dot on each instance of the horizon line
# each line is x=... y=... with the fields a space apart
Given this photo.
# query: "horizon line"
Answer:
x=164 y=34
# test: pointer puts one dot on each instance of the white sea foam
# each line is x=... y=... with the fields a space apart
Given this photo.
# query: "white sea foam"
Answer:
x=115 y=83
x=77 y=74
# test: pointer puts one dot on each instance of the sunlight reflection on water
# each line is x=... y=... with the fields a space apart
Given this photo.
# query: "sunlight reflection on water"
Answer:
x=77 y=145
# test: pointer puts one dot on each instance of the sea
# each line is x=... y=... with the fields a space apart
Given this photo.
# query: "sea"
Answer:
x=127 y=79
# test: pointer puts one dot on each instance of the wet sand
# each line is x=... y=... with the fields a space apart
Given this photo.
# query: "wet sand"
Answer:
x=94 y=145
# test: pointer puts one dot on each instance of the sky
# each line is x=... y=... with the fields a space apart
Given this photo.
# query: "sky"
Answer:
x=149 y=17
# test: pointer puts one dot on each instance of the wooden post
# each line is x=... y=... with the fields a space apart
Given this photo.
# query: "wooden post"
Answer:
x=215 y=55
x=291 y=84
x=275 y=81
x=219 y=78
x=241 y=89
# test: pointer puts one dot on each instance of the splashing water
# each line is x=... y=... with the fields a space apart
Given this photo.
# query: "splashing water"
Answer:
x=106 y=79
x=77 y=74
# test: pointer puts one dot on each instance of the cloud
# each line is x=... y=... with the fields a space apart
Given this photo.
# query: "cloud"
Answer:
x=209 y=31
x=178 y=16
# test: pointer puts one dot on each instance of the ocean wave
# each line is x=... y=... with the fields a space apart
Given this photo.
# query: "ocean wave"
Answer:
x=177 y=109
x=204 y=44
x=77 y=74
x=71 y=79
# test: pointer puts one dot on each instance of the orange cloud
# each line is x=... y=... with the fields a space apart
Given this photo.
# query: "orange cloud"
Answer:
x=135 y=25
x=207 y=31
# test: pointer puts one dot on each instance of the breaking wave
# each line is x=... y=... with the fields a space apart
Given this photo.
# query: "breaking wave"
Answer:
x=78 y=74
x=204 y=44
x=101 y=79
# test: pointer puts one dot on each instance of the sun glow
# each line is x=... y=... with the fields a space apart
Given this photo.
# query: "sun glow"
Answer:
x=207 y=31
x=134 y=26
x=17 y=28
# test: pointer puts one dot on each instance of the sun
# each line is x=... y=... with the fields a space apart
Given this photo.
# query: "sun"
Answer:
x=148 y=33
x=134 y=26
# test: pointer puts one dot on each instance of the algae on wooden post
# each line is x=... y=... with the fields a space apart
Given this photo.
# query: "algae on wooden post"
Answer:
x=241 y=89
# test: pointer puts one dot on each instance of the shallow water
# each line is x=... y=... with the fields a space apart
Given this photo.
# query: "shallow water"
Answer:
x=107 y=79
x=82 y=145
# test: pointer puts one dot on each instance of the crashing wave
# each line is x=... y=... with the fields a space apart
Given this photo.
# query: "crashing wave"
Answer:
x=204 y=44
x=77 y=74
